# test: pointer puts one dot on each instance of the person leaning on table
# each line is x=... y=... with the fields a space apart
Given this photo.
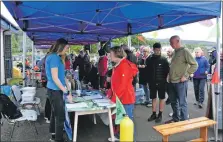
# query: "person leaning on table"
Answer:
x=56 y=85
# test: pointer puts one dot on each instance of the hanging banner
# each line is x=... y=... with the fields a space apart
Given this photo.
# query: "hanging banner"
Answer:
x=141 y=38
x=206 y=23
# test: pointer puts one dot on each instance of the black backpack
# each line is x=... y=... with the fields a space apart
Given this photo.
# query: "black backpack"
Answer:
x=8 y=108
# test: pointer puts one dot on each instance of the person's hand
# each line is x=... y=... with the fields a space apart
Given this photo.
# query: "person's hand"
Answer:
x=183 y=79
x=168 y=79
x=140 y=66
x=64 y=90
x=70 y=98
x=143 y=66
x=108 y=79
x=206 y=72
x=192 y=75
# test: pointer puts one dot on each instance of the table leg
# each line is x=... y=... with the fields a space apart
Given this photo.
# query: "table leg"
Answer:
x=165 y=139
x=95 y=122
x=204 y=133
x=111 y=125
x=75 y=127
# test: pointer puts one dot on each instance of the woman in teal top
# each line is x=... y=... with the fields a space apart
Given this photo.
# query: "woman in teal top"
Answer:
x=56 y=85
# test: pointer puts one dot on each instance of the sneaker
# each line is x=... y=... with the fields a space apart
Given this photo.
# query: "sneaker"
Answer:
x=170 y=121
x=149 y=105
x=171 y=114
x=196 y=103
x=110 y=139
x=200 y=105
x=47 y=121
x=152 y=117
x=168 y=101
x=158 y=119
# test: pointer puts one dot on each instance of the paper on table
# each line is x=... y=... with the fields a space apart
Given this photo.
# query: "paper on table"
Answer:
x=92 y=97
x=101 y=100
x=78 y=99
x=103 y=104
x=77 y=105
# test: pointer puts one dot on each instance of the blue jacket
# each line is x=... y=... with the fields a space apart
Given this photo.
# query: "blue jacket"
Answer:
x=203 y=66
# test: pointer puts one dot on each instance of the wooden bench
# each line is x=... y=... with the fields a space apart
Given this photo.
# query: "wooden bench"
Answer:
x=201 y=123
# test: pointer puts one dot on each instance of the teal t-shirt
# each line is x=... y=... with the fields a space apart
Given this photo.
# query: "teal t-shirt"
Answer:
x=54 y=61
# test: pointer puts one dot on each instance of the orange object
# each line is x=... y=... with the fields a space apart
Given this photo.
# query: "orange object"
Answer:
x=215 y=78
x=36 y=68
x=141 y=38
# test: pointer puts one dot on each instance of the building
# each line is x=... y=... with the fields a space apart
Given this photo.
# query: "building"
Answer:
x=7 y=28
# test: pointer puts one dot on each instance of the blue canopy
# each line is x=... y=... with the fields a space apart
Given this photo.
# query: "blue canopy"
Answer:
x=92 y=21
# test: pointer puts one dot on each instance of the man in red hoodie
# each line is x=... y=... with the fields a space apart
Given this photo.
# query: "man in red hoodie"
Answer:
x=121 y=81
x=102 y=66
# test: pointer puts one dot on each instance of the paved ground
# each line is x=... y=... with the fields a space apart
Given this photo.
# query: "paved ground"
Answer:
x=87 y=131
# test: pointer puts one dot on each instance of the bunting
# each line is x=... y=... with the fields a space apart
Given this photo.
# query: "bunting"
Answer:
x=206 y=23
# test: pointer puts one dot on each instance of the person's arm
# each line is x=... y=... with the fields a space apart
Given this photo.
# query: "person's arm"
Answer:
x=207 y=66
x=192 y=62
x=54 y=72
x=122 y=76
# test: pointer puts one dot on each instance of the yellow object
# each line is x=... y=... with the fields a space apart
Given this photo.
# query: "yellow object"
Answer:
x=126 y=130
x=16 y=72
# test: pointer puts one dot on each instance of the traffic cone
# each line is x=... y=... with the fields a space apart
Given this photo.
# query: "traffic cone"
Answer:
x=215 y=78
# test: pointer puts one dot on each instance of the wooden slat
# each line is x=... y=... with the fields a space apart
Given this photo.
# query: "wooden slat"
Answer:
x=197 y=140
x=187 y=127
x=177 y=124
x=204 y=133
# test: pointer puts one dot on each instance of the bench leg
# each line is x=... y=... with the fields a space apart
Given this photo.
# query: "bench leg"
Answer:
x=165 y=138
x=204 y=133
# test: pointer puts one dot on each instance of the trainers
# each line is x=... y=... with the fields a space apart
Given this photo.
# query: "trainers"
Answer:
x=200 y=105
x=158 y=119
x=168 y=101
x=149 y=105
x=47 y=121
x=152 y=117
x=110 y=139
x=196 y=103
x=171 y=114
x=170 y=121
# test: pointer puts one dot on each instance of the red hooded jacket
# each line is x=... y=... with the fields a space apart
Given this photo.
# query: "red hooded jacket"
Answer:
x=103 y=65
x=121 y=82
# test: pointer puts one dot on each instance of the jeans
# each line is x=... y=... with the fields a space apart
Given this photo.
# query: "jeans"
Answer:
x=178 y=99
x=199 y=85
x=130 y=112
x=57 y=113
x=147 y=92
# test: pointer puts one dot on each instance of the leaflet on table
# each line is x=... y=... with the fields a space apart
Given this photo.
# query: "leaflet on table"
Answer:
x=77 y=105
x=101 y=101
x=78 y=99
x=103 y=104
x=92 y=97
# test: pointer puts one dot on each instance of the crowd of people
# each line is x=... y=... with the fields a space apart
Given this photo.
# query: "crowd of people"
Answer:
x=156 y=74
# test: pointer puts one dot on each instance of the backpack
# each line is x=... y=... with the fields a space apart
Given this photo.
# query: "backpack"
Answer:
x=8 y=108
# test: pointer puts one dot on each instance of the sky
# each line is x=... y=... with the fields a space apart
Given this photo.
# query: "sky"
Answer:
x=194 y=31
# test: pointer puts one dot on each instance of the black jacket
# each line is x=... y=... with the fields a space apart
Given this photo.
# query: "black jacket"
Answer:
x=143 y=74
x=132 y=58
x=157 y=69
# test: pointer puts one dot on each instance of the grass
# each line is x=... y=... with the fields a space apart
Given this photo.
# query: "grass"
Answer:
x=15 y=81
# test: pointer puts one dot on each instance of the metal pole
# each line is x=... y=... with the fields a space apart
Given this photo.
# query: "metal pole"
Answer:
x=217 y=91
x=24 y=57
x=129 y=41
x=33 y=61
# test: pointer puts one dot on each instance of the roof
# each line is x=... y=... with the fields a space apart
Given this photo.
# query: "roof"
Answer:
x=5 y=24
x=92 y=21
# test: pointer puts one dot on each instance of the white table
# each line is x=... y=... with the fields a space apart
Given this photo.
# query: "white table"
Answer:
x=88 y=111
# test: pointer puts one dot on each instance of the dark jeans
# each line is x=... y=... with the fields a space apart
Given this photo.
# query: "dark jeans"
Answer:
x=178 y=99
x=47 y=108
x=199 y=85
x=102 y=81
x=57 y=113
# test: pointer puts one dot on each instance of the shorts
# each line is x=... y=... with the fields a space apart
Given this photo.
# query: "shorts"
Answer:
x=160 y=88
